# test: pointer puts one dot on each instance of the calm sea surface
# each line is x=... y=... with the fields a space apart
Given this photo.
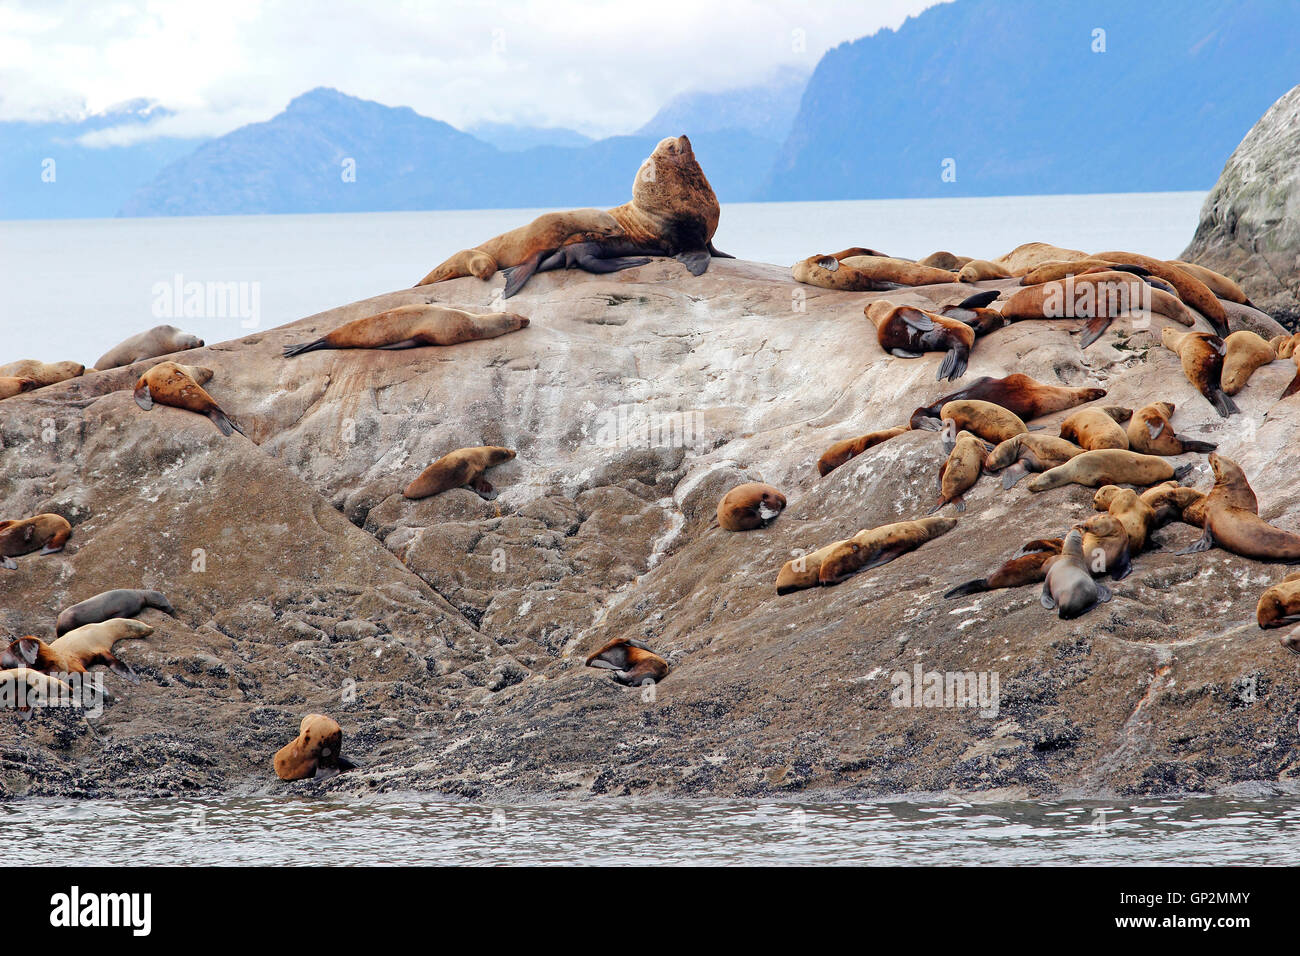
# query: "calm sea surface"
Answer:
x=72 y=289
x=278 y=831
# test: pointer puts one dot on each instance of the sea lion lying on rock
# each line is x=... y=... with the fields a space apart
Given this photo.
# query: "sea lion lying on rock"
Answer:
x=49 y=532
x=317 y=748
x=632 y=662
x=160 y=340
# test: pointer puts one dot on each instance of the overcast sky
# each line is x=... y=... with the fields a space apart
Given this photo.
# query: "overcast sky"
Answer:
x=595 y=66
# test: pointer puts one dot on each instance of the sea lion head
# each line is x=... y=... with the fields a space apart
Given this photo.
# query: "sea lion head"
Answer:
x=186 y=340
x=670 y=187
x=21 y=653
x=1227 y=472
x=1073 y=544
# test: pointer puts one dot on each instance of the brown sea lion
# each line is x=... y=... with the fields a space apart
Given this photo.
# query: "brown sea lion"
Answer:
x=78 y=650
x=979 y=270
x=411 y=326
x=842 y=451
x=1133 y=512
x=49 y=532
x=43 y=373
x=1028 y=452
x=11 y=385
x=749 y=506
x=170 y=384
x=803 y=571
x=1057 y=269
x=1108 y=466
x=1169 y=500
x=1027 y=566
x=943 y=260
x=122 y=602
x=1191 y=290
x=866 y=273
x=160 y=340
x=1068 y=587
x=1244 y=352
x=317 y=748
x=1279 y=606
x=1096 y=297
x=1020 y=394
x=1216 y=282
x=992 y=422
x=1031 y=254
x=1105 y=546
x=1093 y=428
x=456 y=469
x=1151 y=432
x=1232 y=524
x=1201 y=355
x=632 y=662
x=972 y=311
x=962 y=469
x=876 y=546
x=909 y=332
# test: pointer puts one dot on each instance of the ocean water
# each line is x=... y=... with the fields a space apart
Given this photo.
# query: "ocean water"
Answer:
x=274 y=831
x=72 y=289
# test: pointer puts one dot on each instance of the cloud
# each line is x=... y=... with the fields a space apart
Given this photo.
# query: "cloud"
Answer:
x=598 y=67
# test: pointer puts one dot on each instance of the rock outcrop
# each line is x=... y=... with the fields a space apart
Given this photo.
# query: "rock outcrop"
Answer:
x=1250 y=223
x=447 y=635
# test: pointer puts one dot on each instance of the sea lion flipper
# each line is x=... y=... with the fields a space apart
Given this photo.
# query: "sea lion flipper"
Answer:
x=903 y=353
x=1204 y=543
x=953 y=365
x=1045 y=597
x=344 y=764
x=597 y=265
x=1093 y=329
x=916 y=319
x=1201 y=447
x=1011 y=476
x=48 y=550
x=1155 y=428
x=142 y=396
x=8 y=562
x=637 y=642
x=979 y=300
x=121 y=669
x=517 y=276
x=602 y=663
x=696 y=260
x=223 y=423
x=1224 y=405
x=1182 y=471
x=292 y=350
x=1104 y=594
x=713 y=251
x=970 y=587
x=1123 y=566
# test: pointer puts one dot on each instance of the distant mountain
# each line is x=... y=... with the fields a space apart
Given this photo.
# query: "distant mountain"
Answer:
x=329 y=152
x=765 y=111
x=49 y=174
x=1012 y=93
x=510 y=138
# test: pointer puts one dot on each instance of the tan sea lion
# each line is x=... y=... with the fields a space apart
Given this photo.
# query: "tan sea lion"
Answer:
x=1191 y=290
x=842 y=451
x=1201 y=355
x=1151 y=432
x=1093 y=428
x=1244 y=352
x=78 y=650
x=866 y=273
x=1216 y=282
x=1030 y=254
x=49 y=532
x=1096 y=297
x=1027 y=566
x=22 y=688
x=122 y=602
x=1294 y=387
x=632 y=662
x=1232 y=524
x=1057 y=269
x=1168 y=500
x=1019 y=394
x=464 y=466
x=962 y=469
x=411 y=326
x=992 y=422
x=160 y=340
x=11 y=385
x=1105 y=546
x=1279 y=606
x=1028 y=452
x=43 y=373
x=317 y=748
x=943 y=260
x=171 y=384
x=1134 y=513
x=979 y=270
x=749 y=506
x=877 y=546
x=803 y=571
x=909 y=332
x=1284 y=346
x=1108 y=466
x=1068 y=586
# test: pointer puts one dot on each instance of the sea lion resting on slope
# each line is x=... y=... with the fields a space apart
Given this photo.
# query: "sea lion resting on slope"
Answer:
x=1017 y=393
x=1232 y=521
x=160 y=340
x=122 y=602
x=410 y=326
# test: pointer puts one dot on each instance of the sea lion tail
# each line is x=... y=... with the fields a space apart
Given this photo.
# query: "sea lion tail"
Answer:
x=517 y=276
x=713 y=251
x=1093 y=329
x=223 y=423
x=292 y=350
x=970 y=587
x=1202 y=447
x=1223 y=404
x=953 y=366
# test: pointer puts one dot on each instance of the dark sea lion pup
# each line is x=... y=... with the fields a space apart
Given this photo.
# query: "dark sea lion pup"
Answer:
x=123 y=602
x=1068 y=587
x=908 y=332
x=315 y=751
x=632 y=662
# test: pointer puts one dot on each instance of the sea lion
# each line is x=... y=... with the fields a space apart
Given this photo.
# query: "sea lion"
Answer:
x=123 y=603
x=171 y=384
x=1027 y=566
x=972 y=311
x=877 y=546
x=1191 y=290
x=1132 y=511
x=1232 y=521
x=317 y=748
x=23 y=688
x=1294 y=387
x=1057 y=269
x=1096 y=297
x=866 y=273
x=944 y=260
x=1028 y=452
x=523 y=249
x=908 y=332
x=1068 y=586
x=979 y=270
x=1279 y=606
x=1030 y=254
x=842 y=451
x=1284 y=346
x=1108 y=466
x=49 y=532
x=1244 y=352
x=78 y=650
x=464 y=466
x=1151 y=433
x=992 y=422
x=1169 y=501
x=410 y=326
x=160 y=340
x=803 y=571
x=43 y=373
x=1019 y=394
x=1216 y=282
x=1201 y=355
x=962 y=469
x=632 y=662
x=1105 y=546
x=749 y=506
x=11 y=385
x=1093 y=428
